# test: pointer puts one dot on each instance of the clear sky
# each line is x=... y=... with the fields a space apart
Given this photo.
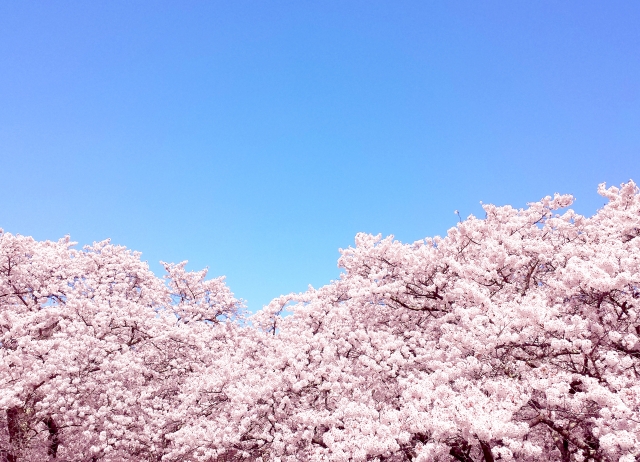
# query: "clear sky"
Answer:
x=257 y=138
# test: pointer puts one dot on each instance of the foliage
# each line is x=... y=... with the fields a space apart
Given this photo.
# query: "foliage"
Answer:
x=513 y=337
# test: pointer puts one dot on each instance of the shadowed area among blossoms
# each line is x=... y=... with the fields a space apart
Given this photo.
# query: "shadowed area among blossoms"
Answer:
x=514 y=337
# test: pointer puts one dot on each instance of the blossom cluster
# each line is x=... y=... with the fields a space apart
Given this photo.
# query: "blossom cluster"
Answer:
x=513 y=337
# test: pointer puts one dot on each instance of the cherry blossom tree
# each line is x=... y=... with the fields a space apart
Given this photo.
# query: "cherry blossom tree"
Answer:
x=95 y=347
x=513 y=337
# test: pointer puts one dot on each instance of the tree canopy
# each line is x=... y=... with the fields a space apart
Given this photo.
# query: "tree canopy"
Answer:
x=513 y=337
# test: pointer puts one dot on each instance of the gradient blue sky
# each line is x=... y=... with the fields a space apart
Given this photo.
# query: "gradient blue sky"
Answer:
x=257 y=138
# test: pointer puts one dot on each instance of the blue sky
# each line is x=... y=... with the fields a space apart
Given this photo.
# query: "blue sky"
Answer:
x=257 y=138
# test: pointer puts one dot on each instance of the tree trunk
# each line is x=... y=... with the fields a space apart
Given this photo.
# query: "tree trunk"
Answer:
x=486 y=451
x=14 y=417
x=563 y=446
x=54 y=437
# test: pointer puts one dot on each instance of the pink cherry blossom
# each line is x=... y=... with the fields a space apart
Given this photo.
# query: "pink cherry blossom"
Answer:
x=513 y=337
